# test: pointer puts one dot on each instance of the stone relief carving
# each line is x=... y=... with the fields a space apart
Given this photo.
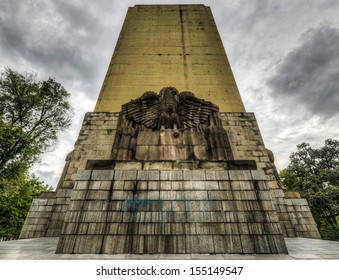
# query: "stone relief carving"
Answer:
x=182 y=116
x=169 y=110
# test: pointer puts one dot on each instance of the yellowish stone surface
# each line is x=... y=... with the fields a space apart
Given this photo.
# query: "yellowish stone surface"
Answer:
x=169 y=45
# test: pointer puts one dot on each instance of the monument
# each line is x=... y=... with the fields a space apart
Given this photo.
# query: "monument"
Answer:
x=170 y=161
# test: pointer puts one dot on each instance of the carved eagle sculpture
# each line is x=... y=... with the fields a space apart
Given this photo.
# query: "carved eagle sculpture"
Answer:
x=169 y=110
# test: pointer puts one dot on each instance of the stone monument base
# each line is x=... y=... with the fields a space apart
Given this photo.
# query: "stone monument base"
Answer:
x=171 y=212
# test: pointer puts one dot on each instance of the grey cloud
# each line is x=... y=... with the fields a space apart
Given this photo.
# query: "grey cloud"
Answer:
x=57 y=38
x=309 y=74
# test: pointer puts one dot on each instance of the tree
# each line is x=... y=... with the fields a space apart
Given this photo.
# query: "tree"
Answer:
x=315 y=174
x=31 y=114
x=16 y=196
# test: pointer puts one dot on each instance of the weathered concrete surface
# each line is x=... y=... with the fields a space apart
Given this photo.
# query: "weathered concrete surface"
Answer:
x=169 y=45
x=138 y=213
x=43 y=249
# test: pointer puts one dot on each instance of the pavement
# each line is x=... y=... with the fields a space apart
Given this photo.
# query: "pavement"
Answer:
x=44 y=249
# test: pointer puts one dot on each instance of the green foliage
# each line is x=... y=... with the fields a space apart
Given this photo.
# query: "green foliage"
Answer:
x=330 y=232
x=16 y=195
x=315 y=174
x=32 y=112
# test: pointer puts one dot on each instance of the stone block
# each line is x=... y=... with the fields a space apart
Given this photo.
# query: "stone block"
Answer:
x=220 y=195
x=88 y=244
x=211 y=185
x=154 y=152
x=102 y=175
x=167 y=137
x=196 y=217
x=173 y=152
x=192 y=195
x=129 y=185
x=78 y=195
x=205 y=244
x=242 y=185
x=196 y=138
x=39 y=202
x=214 y=175
x=277 y=244
x=245 y=195
x=173 y=175
x=258 y=175
x=167 y=195
x=247 y=244
x=264 y=195
x=71 y=217
x=127 y=175
x=278 y=193
x=84 y=175
x=96 y=205
x=228 y=205
x=267 y=205
x=66 y=244
x=140 y=185
x=118 y=185
x=185 y=165
x=209 y=165
x=142 y=152
x=231 y=228
x=230 y=217
x=218 y=229
x=224 y=185
x=122 y=195
x=178 y=206
x=194 y=175
x=158 y=165
x=105 y=185
x=146 y=175
x=96 y=228
x=178 y=217
x=124 y=154
x=153 y=195
x=141 y=195
x=240 y=175
x=115 y=216
x=148 y=137
x=151 y=185
x=130 y=165
x=261 y=244
x=217 y=217
x=93 y=217
x=200 y=152
x=94 y=185
x=98 y=195
x=177 y=185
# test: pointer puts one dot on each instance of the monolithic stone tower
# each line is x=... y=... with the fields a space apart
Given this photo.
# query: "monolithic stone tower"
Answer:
x=170 y=161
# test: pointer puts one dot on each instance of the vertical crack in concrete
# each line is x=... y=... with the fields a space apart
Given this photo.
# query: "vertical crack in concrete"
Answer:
x=183 y=47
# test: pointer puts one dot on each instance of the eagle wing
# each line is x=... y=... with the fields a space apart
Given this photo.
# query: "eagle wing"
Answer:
x=193 y=111
x=143 y=110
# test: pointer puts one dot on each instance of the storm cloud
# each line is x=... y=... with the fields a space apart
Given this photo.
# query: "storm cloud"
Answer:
x=57 y=38
x=309 y=74
x=273 y=64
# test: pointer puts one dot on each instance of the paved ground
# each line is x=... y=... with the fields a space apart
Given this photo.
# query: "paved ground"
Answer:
x=44 y=248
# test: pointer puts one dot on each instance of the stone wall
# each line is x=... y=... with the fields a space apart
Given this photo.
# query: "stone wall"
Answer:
x=95 y=143
x=294 y=215
x=38 y=217
x=246 y=141
x=179 y=212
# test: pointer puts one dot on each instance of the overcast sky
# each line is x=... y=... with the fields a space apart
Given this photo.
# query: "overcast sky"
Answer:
x=284 y=56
